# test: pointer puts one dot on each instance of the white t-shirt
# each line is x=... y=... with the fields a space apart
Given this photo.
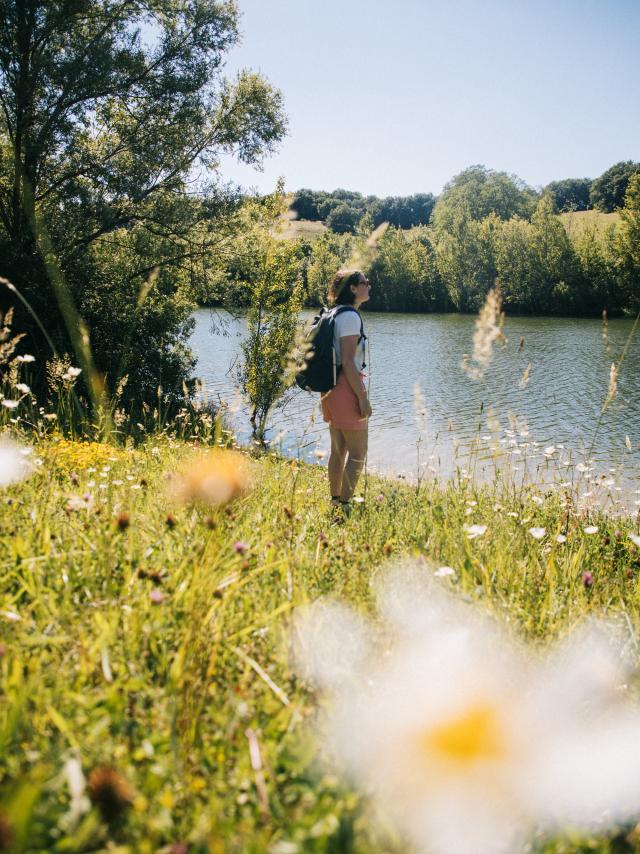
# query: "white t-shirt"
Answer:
x=348 y=323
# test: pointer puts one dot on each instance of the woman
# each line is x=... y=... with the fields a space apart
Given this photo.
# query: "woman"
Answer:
x=346 y=407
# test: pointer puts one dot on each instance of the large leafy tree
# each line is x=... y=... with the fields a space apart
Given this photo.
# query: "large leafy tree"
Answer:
x=404 y=273
x=628 y=239
x=570 y=194
x=479 y=192
x=113 y=118
x=608 y=191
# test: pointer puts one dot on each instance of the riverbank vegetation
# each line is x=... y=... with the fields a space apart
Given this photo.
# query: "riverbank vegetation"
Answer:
x=488 y=228
x=149 y=698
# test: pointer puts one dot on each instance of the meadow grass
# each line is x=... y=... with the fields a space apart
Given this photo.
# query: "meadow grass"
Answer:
x=292 y=229
x=150 y=641
x=576 y=222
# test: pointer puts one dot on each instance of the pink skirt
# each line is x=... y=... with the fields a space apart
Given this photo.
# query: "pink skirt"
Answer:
x=340 y=407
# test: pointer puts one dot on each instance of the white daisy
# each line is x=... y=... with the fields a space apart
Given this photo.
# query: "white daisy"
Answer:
x=474 y=531
x=465 y=739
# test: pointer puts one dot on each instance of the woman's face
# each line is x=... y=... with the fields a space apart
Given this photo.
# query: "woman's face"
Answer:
x=361 y=291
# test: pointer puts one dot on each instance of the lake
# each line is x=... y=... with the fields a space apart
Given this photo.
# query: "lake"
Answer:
x=430 y=419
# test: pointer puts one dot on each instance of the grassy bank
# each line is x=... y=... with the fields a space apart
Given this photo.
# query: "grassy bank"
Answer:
x=148 y=640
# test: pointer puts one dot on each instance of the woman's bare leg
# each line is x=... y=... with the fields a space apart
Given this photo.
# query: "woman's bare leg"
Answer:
x=337 y=460
x=357 y=442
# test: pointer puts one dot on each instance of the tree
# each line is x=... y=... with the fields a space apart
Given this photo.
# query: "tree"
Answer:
x=305 y=204
x=571 y=194
x=329 y=253
x=344 y=218
x=628 y=244
x=608 y=191
x=272 y=320
x=403 y=211
x=404 y=274
x=481 y=191
x=466 y=258
x=103 y=131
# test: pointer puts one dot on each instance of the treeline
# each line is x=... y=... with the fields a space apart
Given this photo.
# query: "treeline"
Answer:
x=486 y=229
x=342 y=210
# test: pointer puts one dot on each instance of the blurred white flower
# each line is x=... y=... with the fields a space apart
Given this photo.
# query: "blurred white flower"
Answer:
x=14 y=465
x=635 y=540
x=444 y=571
x=591 y=529
x=474 y=531
x=465 y=739
x=538 y=533
x=550 y=451
x=23 y=388
x=561 y=538
x=25 y=358
x=71 y=374
x=79 y=803
x=10 y=404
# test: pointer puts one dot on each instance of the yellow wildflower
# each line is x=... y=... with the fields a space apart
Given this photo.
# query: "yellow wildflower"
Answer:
x=215 y=477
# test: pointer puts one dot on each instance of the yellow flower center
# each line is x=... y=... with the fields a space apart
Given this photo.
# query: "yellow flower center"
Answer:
x=473 y=736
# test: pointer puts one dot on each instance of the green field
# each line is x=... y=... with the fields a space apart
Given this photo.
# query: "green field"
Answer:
x=579 y=220
x=575 y=222
x=290 y=228
x=147 y=642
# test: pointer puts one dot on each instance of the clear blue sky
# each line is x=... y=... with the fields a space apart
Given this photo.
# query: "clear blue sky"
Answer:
x=396 y=97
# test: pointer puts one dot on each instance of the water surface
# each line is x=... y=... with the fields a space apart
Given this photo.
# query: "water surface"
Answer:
x=429 y=418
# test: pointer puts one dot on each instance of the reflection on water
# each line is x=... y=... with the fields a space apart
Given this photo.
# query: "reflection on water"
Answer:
x=430 y=419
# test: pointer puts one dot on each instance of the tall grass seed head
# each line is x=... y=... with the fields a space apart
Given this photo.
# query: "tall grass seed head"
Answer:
x=488 y=330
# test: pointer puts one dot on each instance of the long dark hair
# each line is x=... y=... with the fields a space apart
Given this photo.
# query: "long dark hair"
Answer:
x=340 y=292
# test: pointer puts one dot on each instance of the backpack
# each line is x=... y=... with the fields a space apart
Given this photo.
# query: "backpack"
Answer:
x=320 y=373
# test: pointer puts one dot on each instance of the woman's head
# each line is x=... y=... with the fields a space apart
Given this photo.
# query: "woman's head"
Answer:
x=349 y=287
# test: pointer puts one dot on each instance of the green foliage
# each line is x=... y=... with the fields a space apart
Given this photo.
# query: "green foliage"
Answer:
x=628 y=245
x=343 y=219
x=596 y=257
x=608 y=191
x=101 y=132
x=328 y=254
x=465 y=258
x=478 y=192
x=553 y=260
x=275 y=298
x=404 y=274
x=570 y=194
x=400 y=211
